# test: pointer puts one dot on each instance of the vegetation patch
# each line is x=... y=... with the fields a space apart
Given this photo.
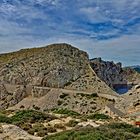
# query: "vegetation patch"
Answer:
x=66 y=112
x=100 y=133
x=72 y=123
x=31 y=116
x=63 y=95
x=98 y=116
x=88 y=96
x=126 y=127
x=120 y=126
x=26 y=116
x=4 y=119
x=60 y=126
x=59 y=102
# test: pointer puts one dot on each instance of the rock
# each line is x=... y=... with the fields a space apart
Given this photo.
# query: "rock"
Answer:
x=109 y=72
x=12 y=132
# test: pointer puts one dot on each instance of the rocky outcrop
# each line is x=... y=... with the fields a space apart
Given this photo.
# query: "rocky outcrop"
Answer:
x=109 y=72
x=9 y=97
x=114 y=75
x=12 y=132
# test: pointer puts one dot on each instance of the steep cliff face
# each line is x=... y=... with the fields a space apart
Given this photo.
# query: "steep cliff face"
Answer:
x=109 y=72
x=119 y=79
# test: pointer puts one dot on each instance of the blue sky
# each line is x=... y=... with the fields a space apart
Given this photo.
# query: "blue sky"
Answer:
x=104 y=28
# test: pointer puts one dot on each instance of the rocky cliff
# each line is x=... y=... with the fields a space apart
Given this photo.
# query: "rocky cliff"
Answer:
x=114 y=75
x=54 y=66
x=111 y=73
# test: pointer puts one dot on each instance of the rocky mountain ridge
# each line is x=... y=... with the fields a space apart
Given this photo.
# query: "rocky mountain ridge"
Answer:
x=54 y=66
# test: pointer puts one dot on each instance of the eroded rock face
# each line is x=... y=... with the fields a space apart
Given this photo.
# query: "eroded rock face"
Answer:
x=111 y=73
x=54 y=66
x=10 y=98
x=12 y=132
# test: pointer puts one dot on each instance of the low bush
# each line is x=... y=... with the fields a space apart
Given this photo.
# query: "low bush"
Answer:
x=38 y=127
x=66 y=112
x=51 y=129
x=88 y=96
x=59 y=126
x=120 y=126
x=63 y=95
x=31 y=116
x=72 y=123
x=98 y=116
x=59 y=102
x=31 y=131
x=26 y=126
x=42 y=133
x=135 y=130
x=4 y=119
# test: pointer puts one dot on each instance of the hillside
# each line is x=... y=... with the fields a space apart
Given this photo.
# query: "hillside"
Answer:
x=53 y=66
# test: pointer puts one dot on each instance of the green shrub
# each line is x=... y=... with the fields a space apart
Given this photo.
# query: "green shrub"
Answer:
x=76 y=135
x=68 y=83
x=66 y=111
x=135 y=130
x=59 y=102
x=31 y=116
x=59 y=126
x=94 y=95
x=51 y=129
x=72 y=123
x=31 y=131
x=88 y=96
x=63 y=95
x=38 y=127
x=42 y=133
x=26 y=126
x=120 y=126
x=4 y=119
x=98 y=116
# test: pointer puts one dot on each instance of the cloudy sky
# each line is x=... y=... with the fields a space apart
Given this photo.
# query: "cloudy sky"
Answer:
x=104 y=28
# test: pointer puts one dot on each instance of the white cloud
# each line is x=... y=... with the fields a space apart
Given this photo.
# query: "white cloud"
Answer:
x=53 y=2
x=114 y=10
x=7 y=8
